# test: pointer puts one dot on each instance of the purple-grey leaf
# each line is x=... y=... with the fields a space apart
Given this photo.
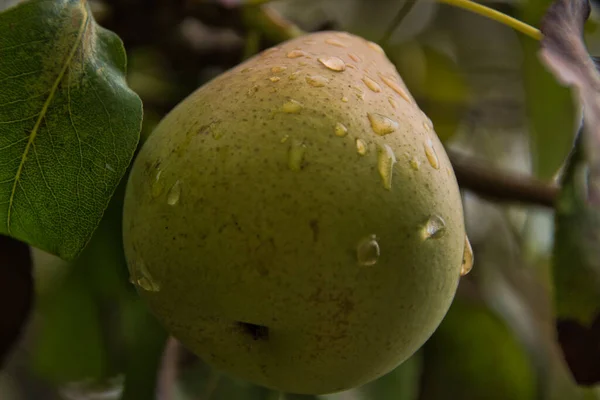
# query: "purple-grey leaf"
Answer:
x=564 y=53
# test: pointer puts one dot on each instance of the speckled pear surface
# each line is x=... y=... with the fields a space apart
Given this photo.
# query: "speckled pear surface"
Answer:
x=296 y=222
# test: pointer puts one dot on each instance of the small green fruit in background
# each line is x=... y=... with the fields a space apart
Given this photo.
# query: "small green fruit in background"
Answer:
x=296 y=221
x=474 y=355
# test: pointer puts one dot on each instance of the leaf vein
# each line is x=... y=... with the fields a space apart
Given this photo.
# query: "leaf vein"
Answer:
x=42 y=113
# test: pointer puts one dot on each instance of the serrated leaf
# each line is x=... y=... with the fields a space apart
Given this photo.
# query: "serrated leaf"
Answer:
x=68 y=123
x=576 y=265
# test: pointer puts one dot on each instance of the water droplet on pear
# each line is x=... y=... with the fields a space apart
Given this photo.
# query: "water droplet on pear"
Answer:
x=174 y=194
x=317 y=80
x=431 y=154
x=292 y=107
x=157 y=185
x=335 y=42
x=340 y=130
x=296 y=54
x=468 y=258
x=367 y=251
x=381 y=124
x=361 y=147
x=434 y=228
x=371 y=84
x=385 y=165
x=333 y=63
x=296 y=155
x=140 y=276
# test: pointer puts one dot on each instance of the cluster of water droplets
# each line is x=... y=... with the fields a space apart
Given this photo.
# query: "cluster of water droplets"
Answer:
x=367 y=250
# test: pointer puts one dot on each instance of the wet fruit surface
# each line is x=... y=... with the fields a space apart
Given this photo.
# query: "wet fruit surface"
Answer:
x=295 y=220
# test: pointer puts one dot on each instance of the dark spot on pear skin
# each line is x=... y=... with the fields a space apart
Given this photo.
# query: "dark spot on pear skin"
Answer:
x=256 y=332
x=314 y=227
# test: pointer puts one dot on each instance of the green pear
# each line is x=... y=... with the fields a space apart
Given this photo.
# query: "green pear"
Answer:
x=296 y=222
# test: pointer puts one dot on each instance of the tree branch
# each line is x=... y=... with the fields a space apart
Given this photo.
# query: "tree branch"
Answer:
x=499 y=185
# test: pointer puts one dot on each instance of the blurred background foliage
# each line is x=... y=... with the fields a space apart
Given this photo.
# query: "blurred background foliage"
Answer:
x=489 y=97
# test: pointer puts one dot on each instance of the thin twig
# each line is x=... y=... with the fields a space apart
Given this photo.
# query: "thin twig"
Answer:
x=402 y=13
x=500 y=185
x=495 y=15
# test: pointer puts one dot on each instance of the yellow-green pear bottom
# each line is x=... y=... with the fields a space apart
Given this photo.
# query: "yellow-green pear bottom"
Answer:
x=296 y=222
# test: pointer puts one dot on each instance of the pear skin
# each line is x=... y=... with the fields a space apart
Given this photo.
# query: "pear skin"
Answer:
x=296 y=222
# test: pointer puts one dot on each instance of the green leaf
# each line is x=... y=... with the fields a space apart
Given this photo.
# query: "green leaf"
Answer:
x=474 y=355
x=400 y=384
x=92 y=318
x=550 y=106
x=68 y=123
x=145 y=344
x=70 y=346
x=576 y=262
x=436 y=82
